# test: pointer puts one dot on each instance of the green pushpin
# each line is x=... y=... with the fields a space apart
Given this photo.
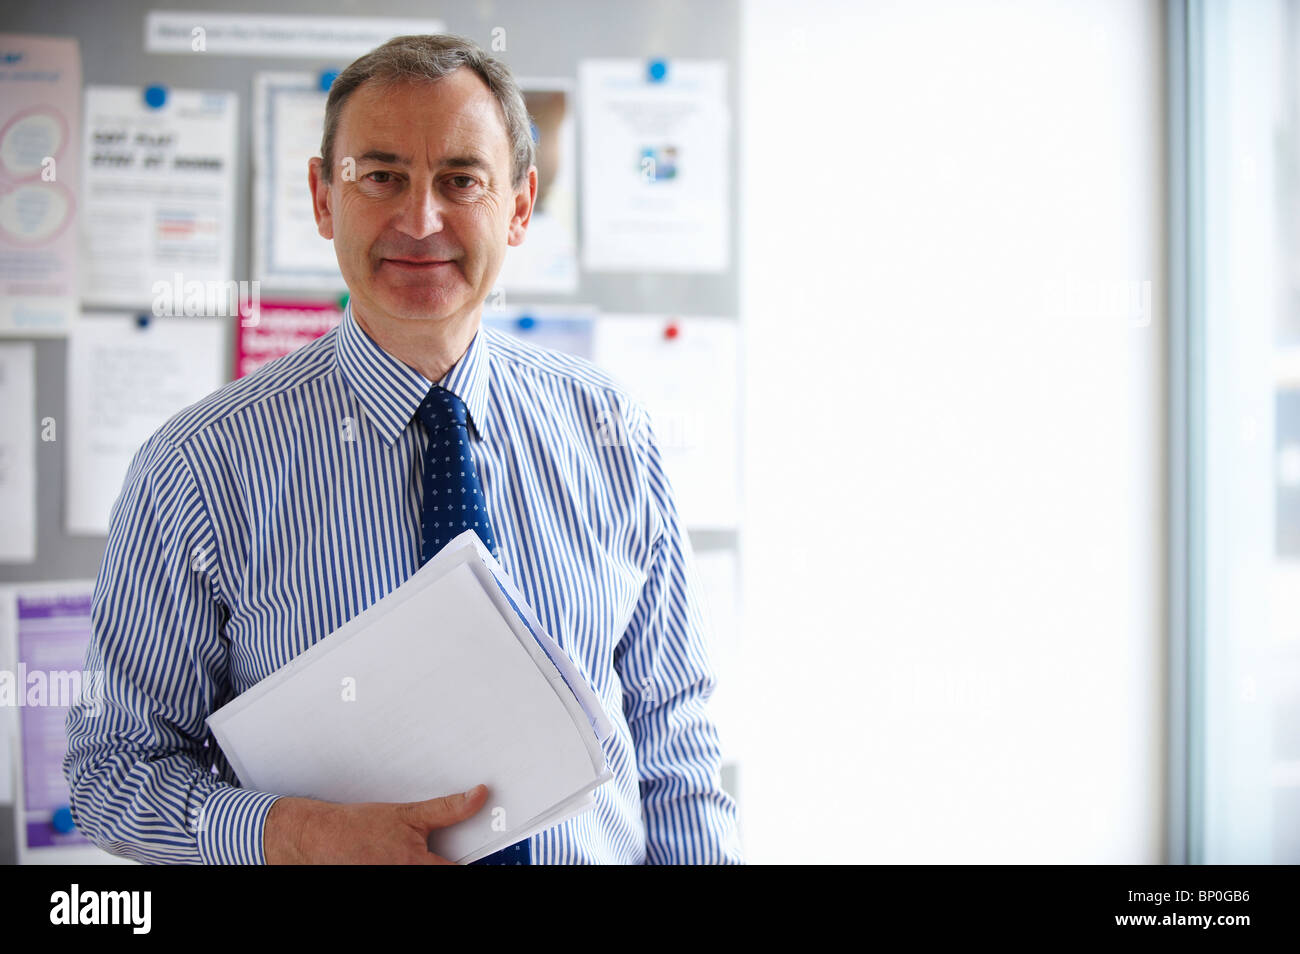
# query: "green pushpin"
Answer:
x=343 y=301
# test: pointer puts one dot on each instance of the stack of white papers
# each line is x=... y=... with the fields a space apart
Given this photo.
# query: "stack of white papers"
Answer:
x=447 y=682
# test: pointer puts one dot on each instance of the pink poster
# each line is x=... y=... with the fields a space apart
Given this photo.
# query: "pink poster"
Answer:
x=40 y=121
x=279 y=328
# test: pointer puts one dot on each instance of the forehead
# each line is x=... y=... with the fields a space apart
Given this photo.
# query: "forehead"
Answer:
x=455 y=113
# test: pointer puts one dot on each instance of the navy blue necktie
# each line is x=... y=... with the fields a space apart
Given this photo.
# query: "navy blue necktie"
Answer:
x=453 y=503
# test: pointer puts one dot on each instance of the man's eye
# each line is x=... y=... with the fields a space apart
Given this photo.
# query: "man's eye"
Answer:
x=463 y=182
x=381 y=181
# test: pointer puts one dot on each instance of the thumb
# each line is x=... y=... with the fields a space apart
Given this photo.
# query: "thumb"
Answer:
x=449 y=809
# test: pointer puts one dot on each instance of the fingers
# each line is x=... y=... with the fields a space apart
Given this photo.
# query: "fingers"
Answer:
x=449 y=809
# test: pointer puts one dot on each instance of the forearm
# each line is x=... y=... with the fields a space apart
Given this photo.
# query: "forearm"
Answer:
x=289 y=827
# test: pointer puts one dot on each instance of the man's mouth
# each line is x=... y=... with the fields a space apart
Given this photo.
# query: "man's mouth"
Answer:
x=418 y=263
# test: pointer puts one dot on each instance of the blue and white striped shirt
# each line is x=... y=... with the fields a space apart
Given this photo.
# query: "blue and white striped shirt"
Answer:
x=259 y=520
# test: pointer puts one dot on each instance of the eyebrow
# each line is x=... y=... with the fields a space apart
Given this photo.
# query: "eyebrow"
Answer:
x=469 y=161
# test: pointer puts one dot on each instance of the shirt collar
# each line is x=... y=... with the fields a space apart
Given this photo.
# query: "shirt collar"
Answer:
x=390 y=390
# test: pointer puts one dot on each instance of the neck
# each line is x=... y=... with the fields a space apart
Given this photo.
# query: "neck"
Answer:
x=431 y=347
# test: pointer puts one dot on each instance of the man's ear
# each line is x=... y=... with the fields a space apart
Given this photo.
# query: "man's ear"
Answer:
x=524 y=200
x=320 y=199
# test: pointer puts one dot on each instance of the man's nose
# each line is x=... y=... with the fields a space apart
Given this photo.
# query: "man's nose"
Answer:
x=421 y=216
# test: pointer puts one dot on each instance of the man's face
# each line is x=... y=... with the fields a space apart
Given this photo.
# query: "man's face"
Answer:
x=421 y=224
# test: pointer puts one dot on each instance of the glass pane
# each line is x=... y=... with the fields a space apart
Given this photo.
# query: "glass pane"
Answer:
x=1250 y=670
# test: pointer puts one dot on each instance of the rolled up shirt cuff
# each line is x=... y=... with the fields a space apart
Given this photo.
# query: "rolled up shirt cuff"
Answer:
x=231 y=826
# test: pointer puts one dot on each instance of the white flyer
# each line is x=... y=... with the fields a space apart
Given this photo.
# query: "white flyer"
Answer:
x=18 y=453
x=159 y=192
x=567 y=328
x=125 y=379
x=547 y=261
x=656 y=187
x=288 y=251
x=221 y=33
x=684 y=371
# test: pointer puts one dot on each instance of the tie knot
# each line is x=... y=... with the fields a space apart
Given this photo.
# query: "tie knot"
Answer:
x=442 y=409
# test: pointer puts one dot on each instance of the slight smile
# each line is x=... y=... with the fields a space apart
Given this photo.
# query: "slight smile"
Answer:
x=417 y=265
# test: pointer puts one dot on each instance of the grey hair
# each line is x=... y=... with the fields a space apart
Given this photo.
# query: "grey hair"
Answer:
x=430 y=58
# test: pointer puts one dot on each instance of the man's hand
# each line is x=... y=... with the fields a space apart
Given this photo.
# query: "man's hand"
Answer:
x=303 y=831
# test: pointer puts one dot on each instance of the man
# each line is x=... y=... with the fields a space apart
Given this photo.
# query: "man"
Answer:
x=264 y=517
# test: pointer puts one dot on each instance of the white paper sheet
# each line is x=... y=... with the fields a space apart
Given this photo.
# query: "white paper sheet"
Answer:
x=654 y=165
x=218 y=33
x=567 y=328
x=288 y=119
x=689 y=385
x=18 y=453
x=159 y=197
x=124 y=382
x=429 y=692
x=40 y=116
x=547 y=261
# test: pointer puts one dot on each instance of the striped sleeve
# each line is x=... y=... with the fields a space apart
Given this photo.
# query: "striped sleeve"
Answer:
x=663 y=661
x=141 y=781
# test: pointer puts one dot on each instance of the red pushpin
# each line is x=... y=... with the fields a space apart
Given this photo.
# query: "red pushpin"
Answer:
x=671 y=331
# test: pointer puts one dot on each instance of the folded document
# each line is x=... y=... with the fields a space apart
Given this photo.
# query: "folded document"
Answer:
x=448 y=681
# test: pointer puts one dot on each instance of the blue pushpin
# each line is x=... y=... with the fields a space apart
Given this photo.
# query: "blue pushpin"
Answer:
x=327 y=78
x=657 y=71
x=532 y=131
x=142 y=321
x=155 y=96
x=62 y=820
x=526 y=322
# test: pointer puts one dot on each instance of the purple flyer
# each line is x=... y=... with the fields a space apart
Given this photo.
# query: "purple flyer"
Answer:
x=53 y=630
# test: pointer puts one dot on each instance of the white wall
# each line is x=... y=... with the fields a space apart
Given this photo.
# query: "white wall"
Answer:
x=953 y=526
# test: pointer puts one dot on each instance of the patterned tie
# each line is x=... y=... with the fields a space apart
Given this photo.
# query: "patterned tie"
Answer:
x=454 y=502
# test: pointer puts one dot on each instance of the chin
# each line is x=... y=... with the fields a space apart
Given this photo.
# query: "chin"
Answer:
x=418 y=307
